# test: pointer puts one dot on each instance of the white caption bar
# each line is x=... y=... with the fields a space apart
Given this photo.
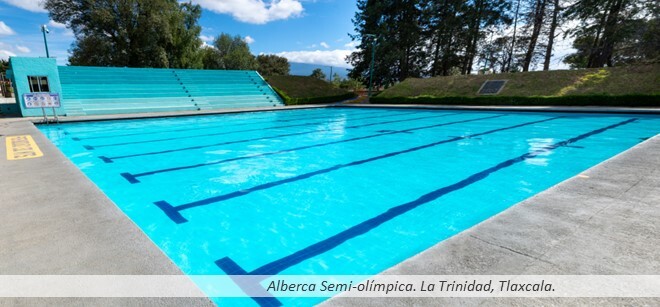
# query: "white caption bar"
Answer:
x=330 y=285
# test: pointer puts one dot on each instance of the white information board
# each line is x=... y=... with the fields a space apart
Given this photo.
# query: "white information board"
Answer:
x=41 y=100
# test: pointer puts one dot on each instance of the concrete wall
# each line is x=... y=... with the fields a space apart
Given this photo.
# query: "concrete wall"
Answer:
x=22 y=68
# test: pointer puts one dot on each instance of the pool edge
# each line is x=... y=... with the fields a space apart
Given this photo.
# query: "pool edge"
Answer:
x=577 y=109
x=600 y=110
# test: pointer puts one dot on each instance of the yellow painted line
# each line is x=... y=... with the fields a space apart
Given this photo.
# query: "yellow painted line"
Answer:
x=22 y=147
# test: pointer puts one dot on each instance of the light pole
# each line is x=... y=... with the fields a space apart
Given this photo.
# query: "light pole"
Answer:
x=44 y=30
x=373 y=57
x=513 y=43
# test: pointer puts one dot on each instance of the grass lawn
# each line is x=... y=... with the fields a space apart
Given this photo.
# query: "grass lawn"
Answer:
x=307 y=90
x=304 y=87
x=617 y=81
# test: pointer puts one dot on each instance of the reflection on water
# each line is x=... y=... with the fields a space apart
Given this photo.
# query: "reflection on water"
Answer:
x=540 y=144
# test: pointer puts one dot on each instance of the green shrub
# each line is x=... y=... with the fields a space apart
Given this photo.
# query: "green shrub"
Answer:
x=312 y=100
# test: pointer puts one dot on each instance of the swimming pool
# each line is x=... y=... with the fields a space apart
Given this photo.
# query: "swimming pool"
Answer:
x=332 y=190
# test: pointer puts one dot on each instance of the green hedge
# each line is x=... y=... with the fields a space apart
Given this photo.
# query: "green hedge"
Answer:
x=312 y=100
x=583 y=100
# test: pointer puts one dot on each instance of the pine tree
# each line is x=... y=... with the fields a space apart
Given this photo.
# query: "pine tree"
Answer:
x=607 y=23
x=537 y=16
x=396 y=27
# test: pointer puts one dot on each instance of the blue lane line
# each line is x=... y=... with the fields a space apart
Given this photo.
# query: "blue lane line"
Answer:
x=110 y=159
x=224 y=124
x=230 y=267
x=329 y=120
x=132 y=178
x=245 y=284
x=174 y=212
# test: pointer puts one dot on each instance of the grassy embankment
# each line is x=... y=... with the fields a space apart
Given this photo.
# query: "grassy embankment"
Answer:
x=306 y=90
x=618 y=86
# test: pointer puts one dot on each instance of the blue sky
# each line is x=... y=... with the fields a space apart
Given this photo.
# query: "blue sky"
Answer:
x=306 y=31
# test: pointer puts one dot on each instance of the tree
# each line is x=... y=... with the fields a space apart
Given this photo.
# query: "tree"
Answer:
x=232 y=52
x=417 y=38
x=580 y=59
x=351 y=84
x=400 y=49
x=273 y=65
x=608 y=23
x=185 y=47
x=445 y=25
x=336 y=80
x=211 y=58
x=318 y=73
x=556 y=10
x=482 y=14
x=647 y=43
x=537 y=17
x=4 y=65
x=133 y=33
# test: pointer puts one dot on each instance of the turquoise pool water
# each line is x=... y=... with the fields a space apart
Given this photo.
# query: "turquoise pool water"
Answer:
x=333 y=190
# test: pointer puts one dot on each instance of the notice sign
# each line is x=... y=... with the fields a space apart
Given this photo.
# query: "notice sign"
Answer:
x=22 y=147
x=41 y=100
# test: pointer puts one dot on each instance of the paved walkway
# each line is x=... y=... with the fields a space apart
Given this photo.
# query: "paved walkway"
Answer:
x=602 y=222
x=55 y=221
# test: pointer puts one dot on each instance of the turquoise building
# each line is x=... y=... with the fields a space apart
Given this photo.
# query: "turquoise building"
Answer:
x=83 y=90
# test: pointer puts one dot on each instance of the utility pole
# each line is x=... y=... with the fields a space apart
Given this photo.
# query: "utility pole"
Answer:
x=45 y=30
x=373 y=58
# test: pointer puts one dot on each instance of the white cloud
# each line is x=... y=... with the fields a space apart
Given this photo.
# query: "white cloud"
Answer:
x=323 y=57
x=5 y=29
x=352 y=44
x=206 y=38
x=325 y=45
x=36 y=6
x=252 y=11
x=57 y=25
x=5 y=54
x=248 y=39
x=22 y=49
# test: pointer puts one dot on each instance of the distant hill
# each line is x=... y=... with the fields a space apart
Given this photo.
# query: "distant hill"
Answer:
x=303 y=69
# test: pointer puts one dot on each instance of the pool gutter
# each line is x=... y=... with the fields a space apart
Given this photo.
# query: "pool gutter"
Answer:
x=588 y=109
x=64 y=119
x=88 y=118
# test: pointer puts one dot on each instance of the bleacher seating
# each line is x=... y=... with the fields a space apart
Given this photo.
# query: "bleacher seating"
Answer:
x=113 y=90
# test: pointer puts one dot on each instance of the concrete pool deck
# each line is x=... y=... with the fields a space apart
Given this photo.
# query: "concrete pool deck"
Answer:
x=603 y=224
x=57 y=222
